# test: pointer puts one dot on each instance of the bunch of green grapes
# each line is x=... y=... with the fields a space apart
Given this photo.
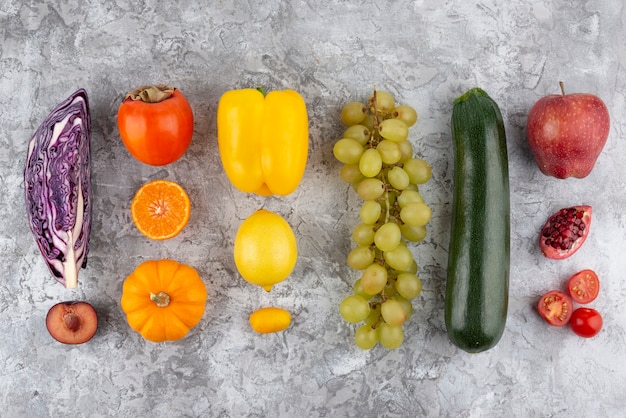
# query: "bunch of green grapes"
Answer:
x=379 y=164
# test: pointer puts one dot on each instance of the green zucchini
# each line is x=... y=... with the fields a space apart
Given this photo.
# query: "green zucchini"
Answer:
x=477 y=286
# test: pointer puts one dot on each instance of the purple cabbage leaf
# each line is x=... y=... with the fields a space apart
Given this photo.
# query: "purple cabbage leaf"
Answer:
x=57 y=188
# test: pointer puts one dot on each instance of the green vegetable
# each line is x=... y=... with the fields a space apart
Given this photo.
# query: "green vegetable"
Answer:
x=478 y=264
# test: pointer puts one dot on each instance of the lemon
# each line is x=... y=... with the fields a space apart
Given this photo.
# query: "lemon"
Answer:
x=265 y=249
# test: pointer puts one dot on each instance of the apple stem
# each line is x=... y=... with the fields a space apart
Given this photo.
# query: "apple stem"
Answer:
x=562 y=88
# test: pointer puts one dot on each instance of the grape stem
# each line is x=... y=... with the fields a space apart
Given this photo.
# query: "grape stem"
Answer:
x=373 y=138
x=374 y=143
x=386 y=194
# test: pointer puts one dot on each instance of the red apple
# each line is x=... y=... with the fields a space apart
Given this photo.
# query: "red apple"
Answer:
x=72 y=322
x=567 y=132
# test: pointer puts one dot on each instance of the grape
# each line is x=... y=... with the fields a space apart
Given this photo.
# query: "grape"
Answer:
x=400 y=258
x=384 y=102
x=415 y=214
x=378 y=163
x=398 y=178
x=413 y=233
x=358 y=132
x=406 y=305
x=374 y=317
x=357 y=289
x=370 y=212
x=369 y=122
x=363 y=234
x=354 y=308
x=350 y=173
x=408 y=285
x=390 y=336
x=370 y=189
x=413 y=269
x=419 y=170
x=390 y=289
x=360 y=257
x=409 y=196
x=406 y=114
x=387 y=237
x=348 y=150
x=374 y=279
x=390 y=151
x=366 y=337
x=370 y=162
x=406 y=149
x=393 y=312
x=394 y=129
x=353 y=113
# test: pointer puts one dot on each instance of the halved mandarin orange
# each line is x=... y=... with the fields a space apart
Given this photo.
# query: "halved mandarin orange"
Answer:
x=160 y=209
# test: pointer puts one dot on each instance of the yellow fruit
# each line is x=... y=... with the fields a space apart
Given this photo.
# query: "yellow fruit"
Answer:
x=265 y=249
x=267 y=320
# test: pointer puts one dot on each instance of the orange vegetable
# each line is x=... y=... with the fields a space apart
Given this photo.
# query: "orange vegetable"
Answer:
x=163 y=299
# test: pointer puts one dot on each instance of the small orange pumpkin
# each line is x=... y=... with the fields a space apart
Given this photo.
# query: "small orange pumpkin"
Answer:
x=163 y=299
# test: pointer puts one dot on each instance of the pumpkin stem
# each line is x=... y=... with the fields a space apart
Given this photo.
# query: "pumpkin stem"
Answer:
x=151 y=94
x=161 y=299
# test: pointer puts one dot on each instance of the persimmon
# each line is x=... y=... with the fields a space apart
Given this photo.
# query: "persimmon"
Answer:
x=155 y=124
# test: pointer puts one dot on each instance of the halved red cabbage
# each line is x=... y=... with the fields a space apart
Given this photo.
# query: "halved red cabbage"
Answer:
x=57 y=186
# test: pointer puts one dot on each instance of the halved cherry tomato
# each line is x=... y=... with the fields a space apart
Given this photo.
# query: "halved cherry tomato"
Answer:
x=155 y=131
x=586 y=322
x=555 y=307
x=584 y=286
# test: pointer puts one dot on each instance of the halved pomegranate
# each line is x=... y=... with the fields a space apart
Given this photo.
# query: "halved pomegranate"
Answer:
x=565 y=231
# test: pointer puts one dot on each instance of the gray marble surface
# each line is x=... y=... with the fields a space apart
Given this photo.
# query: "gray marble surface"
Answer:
x=425 y=52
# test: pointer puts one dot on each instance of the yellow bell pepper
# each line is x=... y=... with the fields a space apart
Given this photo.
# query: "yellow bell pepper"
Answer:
x=263 y=140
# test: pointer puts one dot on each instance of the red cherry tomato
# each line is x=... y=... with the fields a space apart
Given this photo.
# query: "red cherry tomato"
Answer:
x=584 y=286
x=156 y=133
x=586 y=322
x=555 y=307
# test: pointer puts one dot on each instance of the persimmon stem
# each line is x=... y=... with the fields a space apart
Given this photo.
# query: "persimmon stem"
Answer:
x=151 y=94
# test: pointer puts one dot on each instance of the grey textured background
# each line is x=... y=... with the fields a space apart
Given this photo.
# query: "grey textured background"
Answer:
x=426 y=53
